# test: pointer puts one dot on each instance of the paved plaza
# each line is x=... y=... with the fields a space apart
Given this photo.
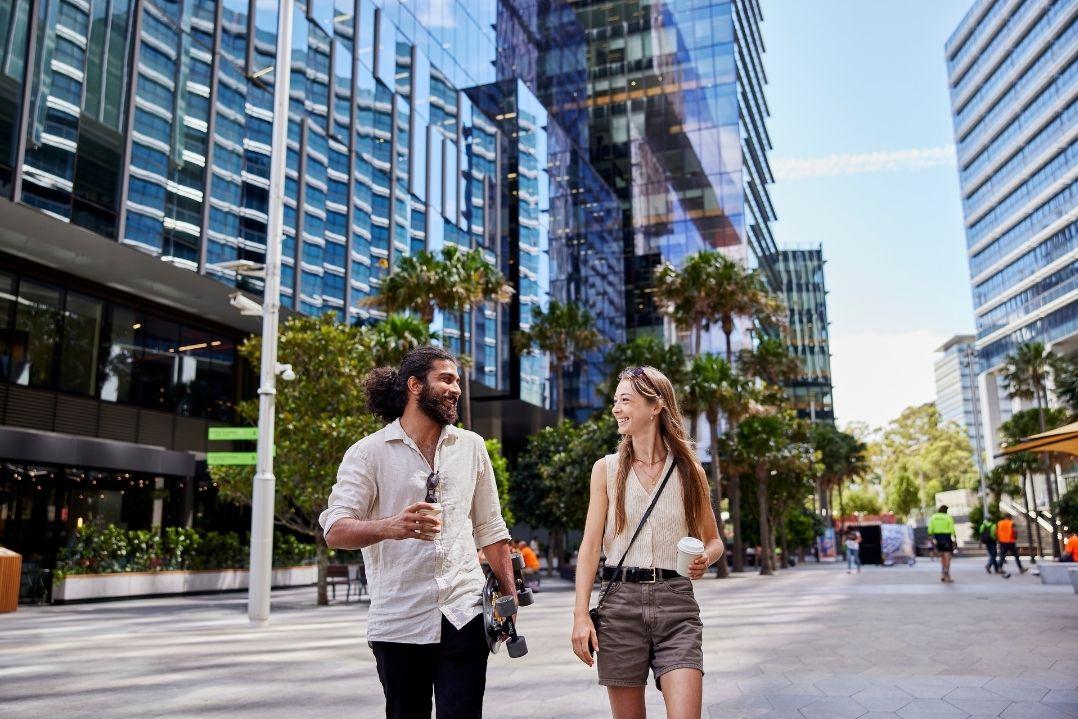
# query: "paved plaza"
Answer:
x=810 y=642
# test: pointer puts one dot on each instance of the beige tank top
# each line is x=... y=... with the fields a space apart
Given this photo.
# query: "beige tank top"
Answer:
x=657 y=544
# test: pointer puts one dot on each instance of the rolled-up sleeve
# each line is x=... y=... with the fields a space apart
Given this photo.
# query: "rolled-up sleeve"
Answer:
x=487 y=523
x=355 y=491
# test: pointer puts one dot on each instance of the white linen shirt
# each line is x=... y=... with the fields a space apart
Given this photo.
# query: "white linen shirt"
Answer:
x=413 y=582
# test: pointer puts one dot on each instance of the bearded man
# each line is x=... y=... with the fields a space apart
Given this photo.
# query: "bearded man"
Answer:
x=419 y=498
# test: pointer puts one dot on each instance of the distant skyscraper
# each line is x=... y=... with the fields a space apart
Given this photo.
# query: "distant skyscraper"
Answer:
x=1013 y=74
x=801 y=274
x=954 y=384
x=678 y=130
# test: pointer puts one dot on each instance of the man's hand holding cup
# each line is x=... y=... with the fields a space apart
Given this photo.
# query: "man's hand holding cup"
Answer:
x=421 y=520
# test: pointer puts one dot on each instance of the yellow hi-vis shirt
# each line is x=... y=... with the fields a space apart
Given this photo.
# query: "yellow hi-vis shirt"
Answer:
x=941 y=523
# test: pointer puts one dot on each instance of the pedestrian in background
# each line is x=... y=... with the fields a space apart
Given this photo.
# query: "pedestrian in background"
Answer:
x=941 y=529
x=853 y=550
x=1070 y=549
x=988 y=539
x=1008 y=544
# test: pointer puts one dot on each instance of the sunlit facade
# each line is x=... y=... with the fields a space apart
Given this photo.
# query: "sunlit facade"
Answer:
x=678 y=131
x=801 y=274
x=1013 y=77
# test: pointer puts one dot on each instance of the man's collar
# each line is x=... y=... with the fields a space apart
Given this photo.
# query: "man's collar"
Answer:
x=394 y=431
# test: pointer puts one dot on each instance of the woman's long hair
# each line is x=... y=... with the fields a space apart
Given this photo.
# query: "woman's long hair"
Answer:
x=654 y=387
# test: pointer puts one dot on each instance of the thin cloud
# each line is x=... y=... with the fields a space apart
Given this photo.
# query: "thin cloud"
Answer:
x=800 y=168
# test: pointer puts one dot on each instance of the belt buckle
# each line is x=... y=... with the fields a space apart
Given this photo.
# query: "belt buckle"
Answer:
x=654 y=577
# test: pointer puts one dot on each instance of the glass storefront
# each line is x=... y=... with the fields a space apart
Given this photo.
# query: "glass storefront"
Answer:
x=53 y=337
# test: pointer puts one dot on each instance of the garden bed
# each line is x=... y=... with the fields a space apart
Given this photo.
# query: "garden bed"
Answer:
x=127 y=585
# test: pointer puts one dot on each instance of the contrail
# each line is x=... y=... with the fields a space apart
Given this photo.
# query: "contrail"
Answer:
x=800 y=168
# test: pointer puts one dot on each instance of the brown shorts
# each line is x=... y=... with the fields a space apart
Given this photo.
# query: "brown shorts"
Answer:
x=648 y=626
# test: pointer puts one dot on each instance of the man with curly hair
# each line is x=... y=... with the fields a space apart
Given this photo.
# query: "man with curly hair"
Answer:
x=419 y=497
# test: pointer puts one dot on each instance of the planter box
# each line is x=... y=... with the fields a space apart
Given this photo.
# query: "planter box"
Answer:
x=1073 y=572
x=1054 y=572
x=120 y=585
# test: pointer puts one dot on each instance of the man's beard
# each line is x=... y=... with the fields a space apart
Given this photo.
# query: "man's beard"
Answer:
x=438 y=407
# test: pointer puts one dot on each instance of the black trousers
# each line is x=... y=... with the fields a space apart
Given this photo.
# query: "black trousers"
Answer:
x=455 y=669
x=993 y=559
x=1006 y=548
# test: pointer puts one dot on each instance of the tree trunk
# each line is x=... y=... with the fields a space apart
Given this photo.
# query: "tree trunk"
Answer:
x=1030 y=492
x=698 y=332
x=765 y=530
x=550 y=551
x=322 y=558
x=735 y=520
x=721 y=570
x=559 y=384
x=465 y=378
x=841 y=508
x=727 y=330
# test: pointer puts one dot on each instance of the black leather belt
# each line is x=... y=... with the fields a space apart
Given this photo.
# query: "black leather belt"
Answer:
x=641 y=575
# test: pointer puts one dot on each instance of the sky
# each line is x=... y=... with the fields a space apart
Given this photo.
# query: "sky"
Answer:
x=862 y=149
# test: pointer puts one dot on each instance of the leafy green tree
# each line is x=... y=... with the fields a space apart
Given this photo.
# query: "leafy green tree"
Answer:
x=1065 y=381
x=843 y=457
x=552 y=478
x=319 y=415
x=501 y=478
x=771 y=363
x=1067 y=508
x=641 y=352
x=565 y=332
x=919 y=446
x=712 y=387
x=862 y=498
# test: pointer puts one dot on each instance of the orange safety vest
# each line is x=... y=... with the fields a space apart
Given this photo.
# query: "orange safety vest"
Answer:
x=1072 y=546
x=1005 y=531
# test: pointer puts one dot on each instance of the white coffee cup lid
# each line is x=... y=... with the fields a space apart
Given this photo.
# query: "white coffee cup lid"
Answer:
x=690 y=545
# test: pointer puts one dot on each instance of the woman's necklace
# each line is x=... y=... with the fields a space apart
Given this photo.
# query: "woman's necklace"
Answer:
x=650 y=476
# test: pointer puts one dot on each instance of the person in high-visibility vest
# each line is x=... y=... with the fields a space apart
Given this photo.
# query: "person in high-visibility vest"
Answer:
x=941 y=529
x=1008 y=543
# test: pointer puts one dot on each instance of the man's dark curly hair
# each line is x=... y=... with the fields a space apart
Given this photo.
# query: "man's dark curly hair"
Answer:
x=387 y=388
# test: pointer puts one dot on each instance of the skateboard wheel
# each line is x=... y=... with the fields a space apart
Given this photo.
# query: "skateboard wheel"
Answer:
x=518 y=562
x=517 y=647
x=525 y=598
x=505 y=606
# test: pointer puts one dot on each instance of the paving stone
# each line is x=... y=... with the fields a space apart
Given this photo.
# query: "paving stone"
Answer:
x=833 y=708
x=1034 y=710
x=882 y=698
x=934 y=708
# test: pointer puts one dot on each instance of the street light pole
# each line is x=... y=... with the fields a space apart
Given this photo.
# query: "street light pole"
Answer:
x=978 y=439
x=262 y=499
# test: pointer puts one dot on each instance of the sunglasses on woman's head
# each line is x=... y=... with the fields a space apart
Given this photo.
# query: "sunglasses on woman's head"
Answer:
x=432 y=484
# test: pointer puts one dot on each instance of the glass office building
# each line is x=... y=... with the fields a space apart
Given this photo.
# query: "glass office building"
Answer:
x=134 y=172
x=801 y=274
x=1013 y=75
x=678 y=131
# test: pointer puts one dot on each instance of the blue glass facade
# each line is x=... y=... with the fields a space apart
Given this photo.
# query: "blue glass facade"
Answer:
x=150 y=123
x=677 y=130
x=1013 y=75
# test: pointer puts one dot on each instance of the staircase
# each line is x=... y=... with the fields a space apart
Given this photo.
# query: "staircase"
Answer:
x=1042 y=526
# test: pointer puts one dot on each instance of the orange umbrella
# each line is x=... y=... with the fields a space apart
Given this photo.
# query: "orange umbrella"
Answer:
x=1063 y=440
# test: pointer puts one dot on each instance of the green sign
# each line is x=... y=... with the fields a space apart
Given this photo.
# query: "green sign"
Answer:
x=233 y=433
x=217 y=458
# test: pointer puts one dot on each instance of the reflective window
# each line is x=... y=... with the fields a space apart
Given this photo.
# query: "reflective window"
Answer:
x=36 y=335
x=82 y=337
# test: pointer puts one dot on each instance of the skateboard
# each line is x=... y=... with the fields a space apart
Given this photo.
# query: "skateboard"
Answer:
x=499 y=611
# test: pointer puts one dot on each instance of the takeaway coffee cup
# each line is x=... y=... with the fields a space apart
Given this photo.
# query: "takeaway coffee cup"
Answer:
x=436 y=512
x=688 y=549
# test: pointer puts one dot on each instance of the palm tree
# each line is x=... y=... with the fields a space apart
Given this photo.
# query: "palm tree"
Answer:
x=1026 y=374
x=640 y=352
x=416 y=284
x=396 y=336
x=565 y=332
x=762 y=442
x=470 y=280
x=712 y=387
x=843 y=457
x=711 y=288
x=455 y=282
x=770 y=362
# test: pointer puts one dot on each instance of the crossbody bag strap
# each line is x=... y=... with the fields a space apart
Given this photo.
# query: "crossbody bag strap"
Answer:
x=639 y=527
